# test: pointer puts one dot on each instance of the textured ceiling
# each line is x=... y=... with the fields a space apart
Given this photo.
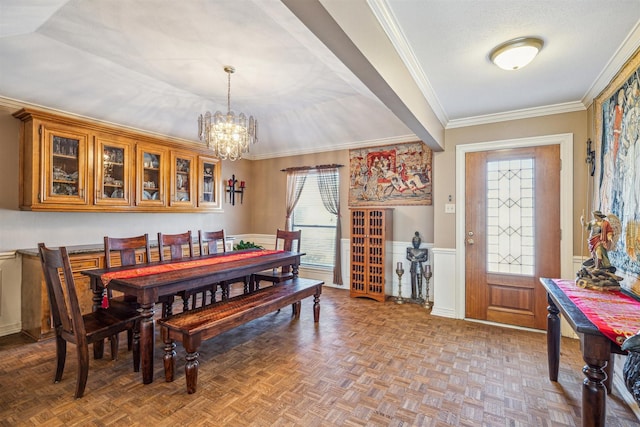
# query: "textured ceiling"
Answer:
x=156 y=65
x=451 y=41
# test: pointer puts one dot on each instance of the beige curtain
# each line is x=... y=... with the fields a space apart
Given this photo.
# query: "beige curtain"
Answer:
x=329 y=191
x=295 y=183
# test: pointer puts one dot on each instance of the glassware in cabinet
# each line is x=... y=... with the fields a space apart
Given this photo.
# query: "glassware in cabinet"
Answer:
x=113 y=160
x=150 y=176
x=182 y=179
x=65 y=167
x=209 y=192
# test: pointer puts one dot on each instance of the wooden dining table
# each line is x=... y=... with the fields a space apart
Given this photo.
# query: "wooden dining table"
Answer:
x=171 y=277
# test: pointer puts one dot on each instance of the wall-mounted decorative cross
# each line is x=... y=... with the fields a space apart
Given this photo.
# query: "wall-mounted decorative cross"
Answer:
x=232 y=190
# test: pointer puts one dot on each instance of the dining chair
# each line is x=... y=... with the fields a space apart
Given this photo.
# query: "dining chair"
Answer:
x=287 y=241
x=72 y=326
x=208 y=242
x=176 y=244
x=127 y=249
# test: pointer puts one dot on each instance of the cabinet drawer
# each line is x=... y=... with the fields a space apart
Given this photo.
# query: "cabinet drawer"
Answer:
x=79 y=263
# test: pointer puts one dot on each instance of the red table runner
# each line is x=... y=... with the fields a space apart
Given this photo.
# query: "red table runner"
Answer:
x=615 y=314
x=182 y=265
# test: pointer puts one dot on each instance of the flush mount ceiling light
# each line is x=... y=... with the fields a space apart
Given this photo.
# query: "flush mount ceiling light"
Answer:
x=516 y=53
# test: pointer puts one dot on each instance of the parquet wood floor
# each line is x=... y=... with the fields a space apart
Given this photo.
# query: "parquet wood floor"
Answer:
x=366 y=364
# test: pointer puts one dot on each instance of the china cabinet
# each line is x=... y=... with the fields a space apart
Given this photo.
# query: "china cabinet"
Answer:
x=182 y=179
x=70 y=164
x=113 y=171
x=209 y=182
x=371 y=253
x=65 y=155
x=150 y=187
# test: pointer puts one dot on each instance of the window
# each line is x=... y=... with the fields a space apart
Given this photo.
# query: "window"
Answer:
x=318 y=225
x=510 y=219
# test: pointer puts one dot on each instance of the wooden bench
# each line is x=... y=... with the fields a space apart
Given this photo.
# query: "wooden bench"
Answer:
x=193 y=327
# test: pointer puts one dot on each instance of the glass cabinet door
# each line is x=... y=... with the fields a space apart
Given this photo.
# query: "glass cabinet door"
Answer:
x=150 y=176
x=209 y=195
x=65 y=167
x=113 y=160
x=182 y=182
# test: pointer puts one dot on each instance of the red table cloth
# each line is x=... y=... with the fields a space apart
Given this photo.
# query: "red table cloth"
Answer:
x=615 y=314
x=180 y=265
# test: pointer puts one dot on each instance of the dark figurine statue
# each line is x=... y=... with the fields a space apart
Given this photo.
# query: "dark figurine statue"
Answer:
x=417 y=256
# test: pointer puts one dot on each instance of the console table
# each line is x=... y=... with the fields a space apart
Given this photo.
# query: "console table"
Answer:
x=596 y=349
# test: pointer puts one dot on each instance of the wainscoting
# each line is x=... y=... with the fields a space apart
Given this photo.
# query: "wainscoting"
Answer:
x=10 y=284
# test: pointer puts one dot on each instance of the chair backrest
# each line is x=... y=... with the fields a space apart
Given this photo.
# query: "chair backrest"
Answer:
x=209 y=240
x=127 y=247
x=176 y=243
x=288 y=240
x=63 y=299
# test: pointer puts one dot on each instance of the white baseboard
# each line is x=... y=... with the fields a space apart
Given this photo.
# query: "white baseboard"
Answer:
x=443 y=312
x=10 y=329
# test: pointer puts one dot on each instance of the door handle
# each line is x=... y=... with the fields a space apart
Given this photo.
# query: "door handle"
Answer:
x=469 y=239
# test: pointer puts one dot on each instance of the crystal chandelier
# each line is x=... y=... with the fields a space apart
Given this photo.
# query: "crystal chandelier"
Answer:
x=226 y=135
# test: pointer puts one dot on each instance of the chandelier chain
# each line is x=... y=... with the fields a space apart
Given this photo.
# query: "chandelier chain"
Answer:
x=229 y=91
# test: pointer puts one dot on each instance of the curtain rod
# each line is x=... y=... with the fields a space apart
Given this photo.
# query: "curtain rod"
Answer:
x=303 y=168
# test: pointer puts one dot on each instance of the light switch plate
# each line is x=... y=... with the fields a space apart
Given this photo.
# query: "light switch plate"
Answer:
x=449 y=208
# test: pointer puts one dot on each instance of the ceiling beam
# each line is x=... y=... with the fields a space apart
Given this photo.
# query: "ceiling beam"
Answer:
x=352 y=32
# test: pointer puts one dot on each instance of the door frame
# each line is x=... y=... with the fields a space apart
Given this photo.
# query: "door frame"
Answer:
x=565 y=141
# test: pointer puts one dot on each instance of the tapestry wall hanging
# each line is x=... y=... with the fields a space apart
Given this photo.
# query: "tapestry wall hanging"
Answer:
x=617 y=175
x=391 y=175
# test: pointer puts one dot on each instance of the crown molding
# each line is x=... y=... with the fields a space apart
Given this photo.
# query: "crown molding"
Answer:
x=615 y=64
x=525 y=113
x=385 y=16
x=389 y=23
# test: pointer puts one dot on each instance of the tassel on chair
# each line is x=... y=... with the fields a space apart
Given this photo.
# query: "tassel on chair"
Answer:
x=105 y=299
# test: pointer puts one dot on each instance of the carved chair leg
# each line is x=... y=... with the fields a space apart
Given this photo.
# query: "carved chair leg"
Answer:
x=167 y=306
x=214 y=292
x=194 y=301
